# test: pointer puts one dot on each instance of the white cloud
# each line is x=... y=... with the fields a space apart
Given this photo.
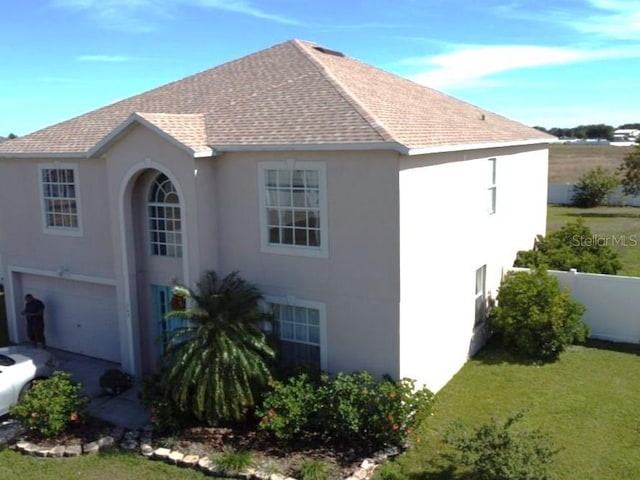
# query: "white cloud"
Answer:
x=240 y=6
x=105 y=58
x=145 y=15
x=468 y=66
x=621 y=20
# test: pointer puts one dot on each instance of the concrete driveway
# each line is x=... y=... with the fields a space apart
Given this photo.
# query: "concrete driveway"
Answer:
x=123 y=410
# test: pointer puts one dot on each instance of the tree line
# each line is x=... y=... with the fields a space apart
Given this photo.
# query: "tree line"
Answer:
x=593 y=131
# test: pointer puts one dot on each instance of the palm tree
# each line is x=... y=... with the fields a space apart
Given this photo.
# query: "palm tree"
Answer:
x=215 y=365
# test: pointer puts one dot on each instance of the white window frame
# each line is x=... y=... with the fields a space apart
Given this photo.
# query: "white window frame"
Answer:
x=480 y=293
x=308 y=251
x=174 y=247
x=53 y=230
x=492 y=189
x=322 y=317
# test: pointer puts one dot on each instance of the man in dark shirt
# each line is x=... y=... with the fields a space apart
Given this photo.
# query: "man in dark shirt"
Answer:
x=34 y=311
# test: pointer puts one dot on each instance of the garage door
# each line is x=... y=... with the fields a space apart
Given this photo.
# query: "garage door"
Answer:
x=80 y=317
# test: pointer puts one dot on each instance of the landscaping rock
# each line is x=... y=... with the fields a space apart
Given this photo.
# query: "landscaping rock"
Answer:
x=128 y=445
x=91 y=447
x=190 y=461
x=106 y=443
x=58 y=451
x=73 y=451
x=175 y=457
x=276 y=476
x=146 y=449
x=42 y=452
x=161 y=453
x=132 y=435
x=204 y=463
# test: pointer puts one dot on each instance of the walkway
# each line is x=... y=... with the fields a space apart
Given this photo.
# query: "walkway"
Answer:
x=123 y=410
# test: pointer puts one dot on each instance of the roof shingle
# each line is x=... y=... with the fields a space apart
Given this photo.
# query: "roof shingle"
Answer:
x=294 y=93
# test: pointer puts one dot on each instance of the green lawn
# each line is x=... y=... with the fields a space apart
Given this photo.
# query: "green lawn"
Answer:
x=116 y=466
x=587 y=402
x=619 y=226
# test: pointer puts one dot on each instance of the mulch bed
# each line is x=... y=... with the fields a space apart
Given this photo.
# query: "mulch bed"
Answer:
x=76 y=434
x=343 y=459
x=209 y=441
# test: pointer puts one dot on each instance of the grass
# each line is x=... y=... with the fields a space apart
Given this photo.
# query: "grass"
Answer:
x=587 y=402
x=567 y=163
x=116 y=466
x=619 y=226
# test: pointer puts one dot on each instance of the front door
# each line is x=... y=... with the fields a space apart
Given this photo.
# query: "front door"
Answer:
x=161 y=296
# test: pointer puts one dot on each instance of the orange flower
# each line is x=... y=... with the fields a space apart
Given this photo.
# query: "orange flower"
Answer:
x=264 y=420
x=392 y=395
x=390 y=417
x=396 y=426
x=34 y=414
x=74 y=417
x=409 y=430
x=271 y=412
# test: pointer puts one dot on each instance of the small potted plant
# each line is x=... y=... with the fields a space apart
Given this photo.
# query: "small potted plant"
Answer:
x=179 y=298
x=114 y=381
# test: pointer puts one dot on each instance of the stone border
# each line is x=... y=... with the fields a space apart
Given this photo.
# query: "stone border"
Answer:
x=131 y=440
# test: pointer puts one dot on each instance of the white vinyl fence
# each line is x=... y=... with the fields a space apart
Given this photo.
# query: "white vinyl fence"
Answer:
x=561 y=193
x=612 y=303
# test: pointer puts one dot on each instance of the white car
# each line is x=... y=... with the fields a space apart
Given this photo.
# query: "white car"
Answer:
x=19 y=367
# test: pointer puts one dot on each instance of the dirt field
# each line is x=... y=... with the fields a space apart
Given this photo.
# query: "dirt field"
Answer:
x=567 y=163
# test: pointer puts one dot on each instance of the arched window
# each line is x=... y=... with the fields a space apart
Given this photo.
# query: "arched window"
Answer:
x=165 y=226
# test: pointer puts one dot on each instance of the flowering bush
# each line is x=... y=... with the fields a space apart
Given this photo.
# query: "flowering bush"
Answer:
x=51 y=405
x=350 y=407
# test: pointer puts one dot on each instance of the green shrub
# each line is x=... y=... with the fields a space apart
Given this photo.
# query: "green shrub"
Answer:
x=51 y=405
x=573 y=246
x=289 y=408
x=314 y=470
x=497 y=451
x=352 y=408
x=534 y=317
x=593 y=188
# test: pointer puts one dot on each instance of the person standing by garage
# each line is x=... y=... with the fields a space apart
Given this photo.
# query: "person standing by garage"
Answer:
x=34 y=311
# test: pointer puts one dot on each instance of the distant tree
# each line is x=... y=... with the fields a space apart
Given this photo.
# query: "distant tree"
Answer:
x=573 y=246
x=593 y=188
x=542 y=129
x=630 y=171
x=630 y=126
x=12 y=136
x=599 y=131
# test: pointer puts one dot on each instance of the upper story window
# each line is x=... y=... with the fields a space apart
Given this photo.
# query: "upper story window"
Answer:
x=60 y=203
x=492 y=189
x=165 y=226
x=293 y=208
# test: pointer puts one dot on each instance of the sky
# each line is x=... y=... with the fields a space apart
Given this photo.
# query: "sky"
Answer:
x=554 y=64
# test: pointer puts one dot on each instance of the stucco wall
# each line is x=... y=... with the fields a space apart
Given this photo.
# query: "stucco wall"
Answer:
x=446 y=234
x=358 y=282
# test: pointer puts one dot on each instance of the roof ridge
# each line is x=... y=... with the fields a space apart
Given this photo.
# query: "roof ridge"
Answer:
x=344 y=92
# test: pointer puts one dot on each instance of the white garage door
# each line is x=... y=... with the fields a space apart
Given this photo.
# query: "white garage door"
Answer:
x=80 y=317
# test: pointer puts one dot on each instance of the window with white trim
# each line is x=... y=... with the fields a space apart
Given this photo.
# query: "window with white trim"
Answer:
x=481 y=295
x=165 y=225
x=492 y=189
x=299 y=329
x=60 y=203
x=293 y=207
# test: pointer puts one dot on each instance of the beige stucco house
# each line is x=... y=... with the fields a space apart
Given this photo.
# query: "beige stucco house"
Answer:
x=375 y=214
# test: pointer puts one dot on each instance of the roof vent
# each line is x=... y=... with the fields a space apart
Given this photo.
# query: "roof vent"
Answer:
x=328 y=51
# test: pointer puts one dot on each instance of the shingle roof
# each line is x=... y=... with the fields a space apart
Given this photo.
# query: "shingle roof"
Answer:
x=295 y=93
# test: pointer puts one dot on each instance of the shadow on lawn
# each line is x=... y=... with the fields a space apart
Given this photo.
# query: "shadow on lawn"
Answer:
x=604 y=214
x=613 y=346
x=494 y=354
